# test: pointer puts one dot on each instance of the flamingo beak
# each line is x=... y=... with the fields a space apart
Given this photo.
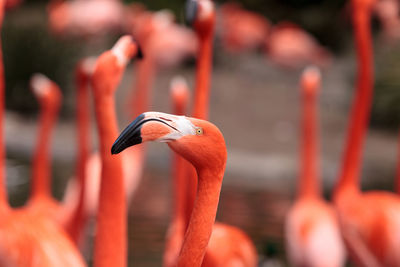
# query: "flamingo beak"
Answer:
x=153 y=126
x=190 y=12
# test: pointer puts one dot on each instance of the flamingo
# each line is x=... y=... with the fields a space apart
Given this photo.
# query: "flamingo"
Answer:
x=41 y=202
x=202 y=144
x=218 y=253
x=312 y=230
x=86 y=18
x=370 y=221
x=110 y=240
x=388 y=14
x=165 y=44
x=242 y=30
x=78 y=189
x=176 y=230
x=70 y=214
x=290 y=46
x=27 y=239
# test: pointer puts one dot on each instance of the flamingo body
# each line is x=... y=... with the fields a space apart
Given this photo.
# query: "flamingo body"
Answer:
x=313 y=236
x=229 y=246
x=27 y=239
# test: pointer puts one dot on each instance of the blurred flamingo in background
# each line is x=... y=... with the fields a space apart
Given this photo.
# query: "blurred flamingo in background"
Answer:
x=186 y=135
x=290 y=46
x=28 y=239
x=388 y=14
x=222 y=249
x=176 y=231
x=312 y=230
x=41 y=201
x=242 y=30
x=110 y=241
x=79 y=187
x=86 y=18
x=164 y=44
x=370 y=222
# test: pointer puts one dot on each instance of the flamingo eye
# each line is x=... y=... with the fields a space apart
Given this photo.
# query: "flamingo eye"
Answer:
x=199 y=131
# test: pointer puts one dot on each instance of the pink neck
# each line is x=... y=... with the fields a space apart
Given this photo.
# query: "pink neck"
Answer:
x=200 y=110
x=83 y=138
x=144 y=82
x=203 y=77
x=202 y=219
x=309 y=176
x=358 y=124
x=110 y=241
x=41 y=173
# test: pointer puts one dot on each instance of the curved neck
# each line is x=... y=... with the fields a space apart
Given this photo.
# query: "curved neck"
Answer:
x=358 y=124
x=3 y=192
x=309 y=175
x=83 y=138
x=41 y=173
x=203 y=217
x=200 y=110
x=203 y=77
x=143 y=84
x=110 y=240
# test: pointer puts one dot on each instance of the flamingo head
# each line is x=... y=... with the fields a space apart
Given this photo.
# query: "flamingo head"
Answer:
x=180 y=94
x=198 y=141
x=310 y=80
x=46 y=91
x=201 y=15
x=85 y=68
x=111 y=64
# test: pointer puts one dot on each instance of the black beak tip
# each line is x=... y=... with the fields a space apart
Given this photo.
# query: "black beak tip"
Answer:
x=114 y=149
x=190 y=12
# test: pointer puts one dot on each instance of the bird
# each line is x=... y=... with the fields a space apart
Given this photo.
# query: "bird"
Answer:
x=388 y=13
x=290 y=46
x=78 y=189
x=41 y=201
x=88 y=19
x=201 y=14
x=164 y=44
x=202 y=144
x=110 y=240
x=176 y=229
x=370 y=221
x=242 y=30
x=27 y=239
x=312 y=230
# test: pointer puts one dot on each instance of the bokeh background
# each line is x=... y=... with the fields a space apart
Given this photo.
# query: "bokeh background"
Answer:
x=254 y=101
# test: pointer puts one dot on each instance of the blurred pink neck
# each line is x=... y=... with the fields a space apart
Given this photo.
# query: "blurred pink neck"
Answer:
x=203 y=78
x=110 y=241
x=309 y=176
x=83 y=138
x=144 y=83
x=358 y=124
x=200 y=108
x=41 y=173
x=203 y=217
